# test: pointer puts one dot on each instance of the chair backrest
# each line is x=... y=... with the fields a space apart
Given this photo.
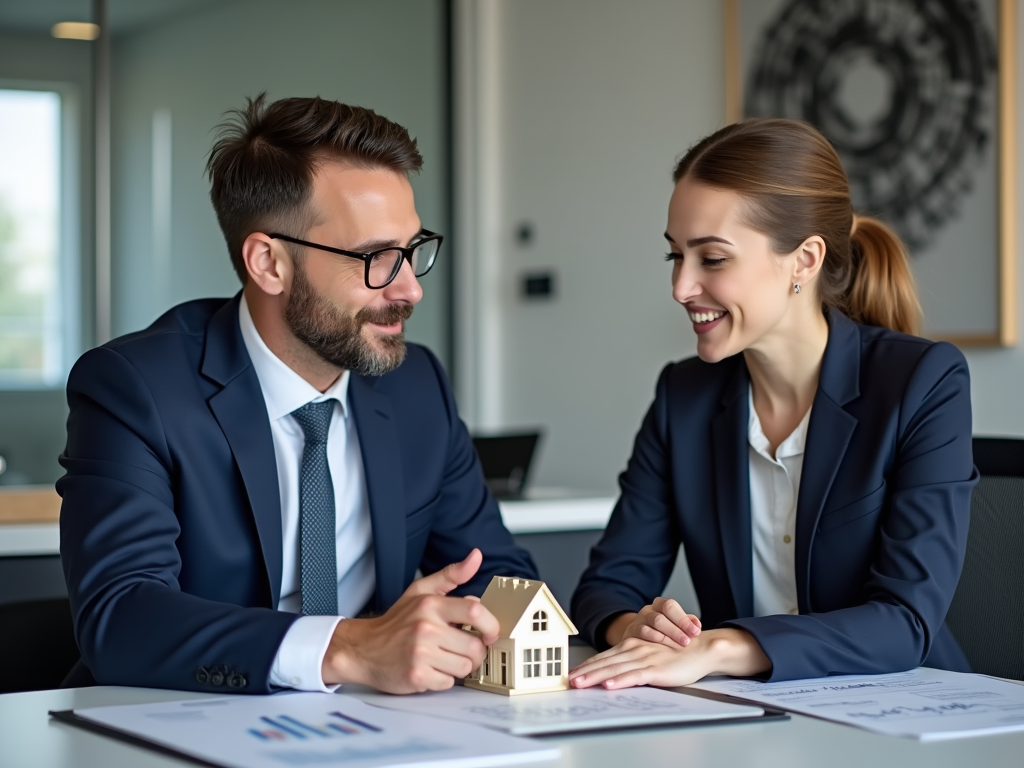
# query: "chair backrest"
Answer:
x=37 y=645
x=987 y=613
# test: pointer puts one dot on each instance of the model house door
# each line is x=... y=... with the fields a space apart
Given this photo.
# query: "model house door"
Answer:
x=504 y=667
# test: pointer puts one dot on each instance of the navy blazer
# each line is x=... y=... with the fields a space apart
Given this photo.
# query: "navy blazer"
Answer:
x=882 y=512
x=171 y=514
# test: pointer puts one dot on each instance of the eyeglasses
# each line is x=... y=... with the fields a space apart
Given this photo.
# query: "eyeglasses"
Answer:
x=383 y=266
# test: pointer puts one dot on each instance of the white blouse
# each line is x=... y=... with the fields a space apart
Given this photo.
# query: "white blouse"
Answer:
x=774 y=486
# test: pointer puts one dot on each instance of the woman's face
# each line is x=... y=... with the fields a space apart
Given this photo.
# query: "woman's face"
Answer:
x=736 y=290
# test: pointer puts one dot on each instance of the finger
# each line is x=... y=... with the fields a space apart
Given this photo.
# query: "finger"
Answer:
x=661 y=623
x=598 y=675
x=463 y=644
x=459 y=611
x=634 y=677
x=424 y=677
x=449 y=577
x=627 y=651
x=652 y=635
x=596 y=658
x=627 y=644
x=453 y=665
x=675 y=613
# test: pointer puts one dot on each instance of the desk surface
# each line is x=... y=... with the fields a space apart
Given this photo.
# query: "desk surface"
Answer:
x=30 y=739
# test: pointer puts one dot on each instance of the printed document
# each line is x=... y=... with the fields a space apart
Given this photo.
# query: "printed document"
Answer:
x=928 y=704
x=564 y=711
x=311 y=729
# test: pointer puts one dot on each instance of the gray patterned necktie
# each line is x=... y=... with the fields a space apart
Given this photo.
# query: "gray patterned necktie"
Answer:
x=319 y=564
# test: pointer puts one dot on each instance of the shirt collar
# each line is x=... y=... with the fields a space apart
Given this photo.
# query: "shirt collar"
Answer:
x=791 y=446
x=283 y=389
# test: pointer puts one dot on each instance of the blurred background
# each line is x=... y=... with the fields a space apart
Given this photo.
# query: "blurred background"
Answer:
x=549 y=130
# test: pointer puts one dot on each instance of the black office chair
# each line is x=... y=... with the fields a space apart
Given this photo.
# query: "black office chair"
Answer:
x=987 y=614
x=37 y=645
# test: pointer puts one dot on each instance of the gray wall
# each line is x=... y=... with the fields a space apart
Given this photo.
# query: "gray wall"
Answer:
x=598 y=99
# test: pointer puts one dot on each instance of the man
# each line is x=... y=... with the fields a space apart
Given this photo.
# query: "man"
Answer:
x=243 y=461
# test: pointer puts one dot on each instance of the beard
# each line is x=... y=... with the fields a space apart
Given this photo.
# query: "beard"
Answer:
x=337 y=338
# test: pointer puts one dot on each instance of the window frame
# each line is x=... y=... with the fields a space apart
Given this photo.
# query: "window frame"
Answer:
x=531 y=663
x=554 y=661
x=67 y=293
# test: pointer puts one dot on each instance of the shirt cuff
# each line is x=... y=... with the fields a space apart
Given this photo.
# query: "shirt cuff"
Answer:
x=300 y=657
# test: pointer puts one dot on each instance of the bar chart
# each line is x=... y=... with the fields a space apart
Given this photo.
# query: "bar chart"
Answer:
x=289 y=728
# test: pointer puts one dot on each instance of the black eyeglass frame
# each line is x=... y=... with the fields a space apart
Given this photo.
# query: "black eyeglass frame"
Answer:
x=366 y=258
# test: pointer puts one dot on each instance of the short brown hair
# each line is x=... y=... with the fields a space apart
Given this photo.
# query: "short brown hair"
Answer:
x=796 y=187
x=262 y=165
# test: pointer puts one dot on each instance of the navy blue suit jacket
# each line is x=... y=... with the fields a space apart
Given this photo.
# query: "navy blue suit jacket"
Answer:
x=882 y=511
x=171 y=515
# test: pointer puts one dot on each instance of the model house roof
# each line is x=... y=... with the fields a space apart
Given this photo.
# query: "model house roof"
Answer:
x=511 y=599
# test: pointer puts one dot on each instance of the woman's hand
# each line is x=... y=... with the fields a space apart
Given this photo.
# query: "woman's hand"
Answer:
x=663 y=621
x=641 y=662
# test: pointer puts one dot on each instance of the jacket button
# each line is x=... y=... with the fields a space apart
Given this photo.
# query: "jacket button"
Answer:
x=216 y=678
x=202 y=676
x=237 y=680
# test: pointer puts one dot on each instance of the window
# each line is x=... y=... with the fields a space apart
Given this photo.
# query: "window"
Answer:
x=531 y=662
x=34 y=284
x=540 y=622
x=554 y=662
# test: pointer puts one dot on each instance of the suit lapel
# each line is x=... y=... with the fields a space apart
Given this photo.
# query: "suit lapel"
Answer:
x=241 y=412
x=828 y=436
x=732 y=489
x=378 y=442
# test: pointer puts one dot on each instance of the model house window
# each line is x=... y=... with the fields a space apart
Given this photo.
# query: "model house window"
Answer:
x=554 y=661
x=540 y=622
x=531 y=662
x=35 y=273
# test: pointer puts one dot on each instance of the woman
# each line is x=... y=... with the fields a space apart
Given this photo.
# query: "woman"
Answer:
x=815 y=458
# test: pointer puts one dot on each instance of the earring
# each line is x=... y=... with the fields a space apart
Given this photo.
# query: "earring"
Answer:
x=796 y=287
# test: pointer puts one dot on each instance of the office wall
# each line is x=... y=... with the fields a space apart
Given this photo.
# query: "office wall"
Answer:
x=596 y=101
x=171 y=86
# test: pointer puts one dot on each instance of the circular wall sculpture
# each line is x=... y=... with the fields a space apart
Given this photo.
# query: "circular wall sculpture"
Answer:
x=904 y=89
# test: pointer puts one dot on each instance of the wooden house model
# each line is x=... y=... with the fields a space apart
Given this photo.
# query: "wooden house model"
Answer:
x=531 y=654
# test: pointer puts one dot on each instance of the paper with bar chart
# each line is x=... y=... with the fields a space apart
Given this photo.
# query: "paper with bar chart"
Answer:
x=927 y=704
x=311 y=729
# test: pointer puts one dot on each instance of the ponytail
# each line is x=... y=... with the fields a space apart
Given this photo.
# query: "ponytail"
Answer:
x=882 y=291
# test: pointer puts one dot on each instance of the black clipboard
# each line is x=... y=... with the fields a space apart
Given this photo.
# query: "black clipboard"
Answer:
x=71 y=718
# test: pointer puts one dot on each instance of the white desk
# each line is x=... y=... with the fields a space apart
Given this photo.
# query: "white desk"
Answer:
x=21 y=540
x=550 y=510
x=544 y=513
x=30 y=739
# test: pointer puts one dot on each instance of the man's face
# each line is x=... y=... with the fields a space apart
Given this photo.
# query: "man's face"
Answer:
x=329 y=308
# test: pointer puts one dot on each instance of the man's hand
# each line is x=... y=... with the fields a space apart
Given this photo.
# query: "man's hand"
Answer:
x=418 y=645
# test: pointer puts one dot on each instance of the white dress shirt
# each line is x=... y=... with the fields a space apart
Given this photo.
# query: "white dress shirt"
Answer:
x=299 y=658
x=774 y=486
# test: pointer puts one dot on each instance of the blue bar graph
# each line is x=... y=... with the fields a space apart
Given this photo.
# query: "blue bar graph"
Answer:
x=287 y=728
